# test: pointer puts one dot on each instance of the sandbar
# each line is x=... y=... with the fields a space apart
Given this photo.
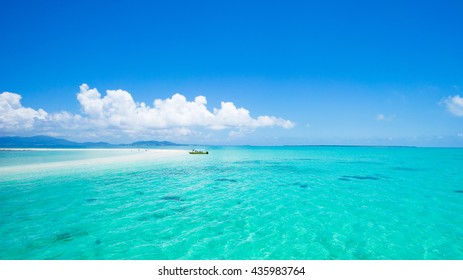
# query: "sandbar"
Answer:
x=132 y=155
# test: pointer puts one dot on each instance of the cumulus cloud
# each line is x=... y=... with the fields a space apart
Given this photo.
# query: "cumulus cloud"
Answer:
x=455 y=105
x=13 y=116
x=118 y=109
x=117 y=112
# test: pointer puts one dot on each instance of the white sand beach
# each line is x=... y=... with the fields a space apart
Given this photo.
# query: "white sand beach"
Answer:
x=82 y=149
x=119 y=156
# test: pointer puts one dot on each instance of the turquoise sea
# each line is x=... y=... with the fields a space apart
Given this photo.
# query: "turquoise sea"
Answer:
x=235 y=203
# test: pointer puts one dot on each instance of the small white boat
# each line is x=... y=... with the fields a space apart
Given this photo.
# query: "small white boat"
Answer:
x=198 y=152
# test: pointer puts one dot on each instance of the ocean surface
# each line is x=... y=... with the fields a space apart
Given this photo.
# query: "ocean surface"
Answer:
x=235 y=203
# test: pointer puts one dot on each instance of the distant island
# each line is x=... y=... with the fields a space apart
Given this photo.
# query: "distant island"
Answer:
x=42 y=141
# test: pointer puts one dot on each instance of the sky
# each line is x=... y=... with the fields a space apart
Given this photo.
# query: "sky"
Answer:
x=234 y=72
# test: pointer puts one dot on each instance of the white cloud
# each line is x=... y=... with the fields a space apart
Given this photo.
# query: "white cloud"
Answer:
x=380 y=117
x=118 y=109
x=455 y=105
x=117 y=113
x=13 y=116
x=383 y=118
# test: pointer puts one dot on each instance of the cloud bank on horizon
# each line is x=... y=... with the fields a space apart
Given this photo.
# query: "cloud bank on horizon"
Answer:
x=117 y=113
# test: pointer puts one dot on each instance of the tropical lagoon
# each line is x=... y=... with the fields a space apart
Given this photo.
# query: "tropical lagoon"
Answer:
x=314 y=202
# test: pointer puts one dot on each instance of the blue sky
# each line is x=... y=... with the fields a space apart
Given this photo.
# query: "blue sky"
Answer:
x=324 y=72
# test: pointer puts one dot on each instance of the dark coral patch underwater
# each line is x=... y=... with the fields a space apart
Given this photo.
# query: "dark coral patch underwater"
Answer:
x=172 y=197
x=70 y=235
x=301 y=185
x=226 y=180
x=348 y=178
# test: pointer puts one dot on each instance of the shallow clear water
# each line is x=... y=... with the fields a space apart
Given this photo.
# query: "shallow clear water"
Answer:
x=235 y=203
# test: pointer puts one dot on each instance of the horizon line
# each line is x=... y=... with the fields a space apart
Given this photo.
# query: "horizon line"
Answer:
x=216 y=145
